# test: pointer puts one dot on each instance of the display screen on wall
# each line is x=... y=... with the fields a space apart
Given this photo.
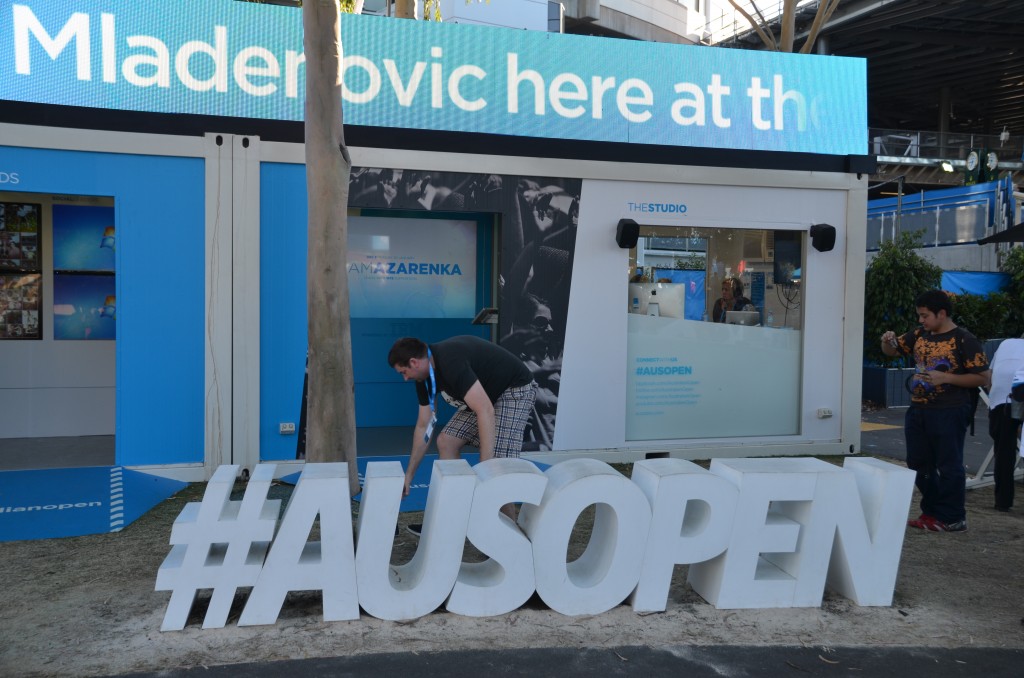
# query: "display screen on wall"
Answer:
x=84 y=306
x=411 y=268
x=20 y=301
x=242 y=59
x=83 y=238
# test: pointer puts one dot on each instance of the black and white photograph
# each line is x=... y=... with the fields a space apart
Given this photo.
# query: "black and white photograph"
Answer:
x=538 y=222
x=20 y=300
x=19 y=240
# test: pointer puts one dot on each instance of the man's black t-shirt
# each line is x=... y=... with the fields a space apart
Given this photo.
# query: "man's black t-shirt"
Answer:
x=956 y=351
x=461 y=361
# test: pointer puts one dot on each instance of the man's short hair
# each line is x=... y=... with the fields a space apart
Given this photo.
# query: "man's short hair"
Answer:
x=404 y=350
x=935 y=301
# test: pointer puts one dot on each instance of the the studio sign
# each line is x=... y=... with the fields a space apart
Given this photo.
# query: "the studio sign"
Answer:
x=754 y=532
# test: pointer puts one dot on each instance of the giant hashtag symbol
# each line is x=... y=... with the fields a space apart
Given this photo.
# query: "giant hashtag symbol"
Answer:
x=218 y=544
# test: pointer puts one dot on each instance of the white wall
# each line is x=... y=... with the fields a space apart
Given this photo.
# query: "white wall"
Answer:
x=591 y=409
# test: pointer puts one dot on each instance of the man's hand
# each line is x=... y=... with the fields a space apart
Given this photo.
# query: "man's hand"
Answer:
x=889 y=344
x=408 y=483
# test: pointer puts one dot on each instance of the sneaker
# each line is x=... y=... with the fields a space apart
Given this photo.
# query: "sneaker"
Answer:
x=415 y=529
x=933 y=524
x=958 y=526
x=922 y=522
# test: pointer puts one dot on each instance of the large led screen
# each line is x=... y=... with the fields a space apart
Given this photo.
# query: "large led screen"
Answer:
x=411 y=268
x=243 y=59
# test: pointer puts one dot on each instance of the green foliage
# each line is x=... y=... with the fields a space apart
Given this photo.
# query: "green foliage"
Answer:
x=893 y=280
x=694 y=262
x=1014 y=265
x=984 y=316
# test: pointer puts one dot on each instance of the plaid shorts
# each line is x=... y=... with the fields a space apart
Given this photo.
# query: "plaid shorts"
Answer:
x=512 y=411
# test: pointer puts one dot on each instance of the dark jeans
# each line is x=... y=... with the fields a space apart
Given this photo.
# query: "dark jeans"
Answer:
x=935 y=450
x=1003 y=430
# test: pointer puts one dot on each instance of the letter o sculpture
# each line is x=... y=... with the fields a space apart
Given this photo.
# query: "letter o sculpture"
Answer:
x=609 y=568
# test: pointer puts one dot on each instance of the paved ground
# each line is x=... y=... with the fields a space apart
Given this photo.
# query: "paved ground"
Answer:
x=882 y=434
x=689 y=661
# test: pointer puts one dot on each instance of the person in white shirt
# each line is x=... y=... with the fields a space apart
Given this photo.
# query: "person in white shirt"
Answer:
x=1004 y=418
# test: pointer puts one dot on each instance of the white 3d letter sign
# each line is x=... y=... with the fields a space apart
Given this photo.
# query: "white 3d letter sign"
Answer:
x=754 y=533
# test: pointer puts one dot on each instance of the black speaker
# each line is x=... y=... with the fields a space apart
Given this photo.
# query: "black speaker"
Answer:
x=627 y=233
x=823 y=237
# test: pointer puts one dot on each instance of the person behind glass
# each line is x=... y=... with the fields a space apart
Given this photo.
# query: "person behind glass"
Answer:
x=1004 y=417
x=950 y=365
x=732 y=300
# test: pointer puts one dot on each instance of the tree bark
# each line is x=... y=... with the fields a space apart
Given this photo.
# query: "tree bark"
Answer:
x=405 y=9
x=330 y=410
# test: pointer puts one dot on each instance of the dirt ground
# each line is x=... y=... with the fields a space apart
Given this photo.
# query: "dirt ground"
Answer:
x=86 y=606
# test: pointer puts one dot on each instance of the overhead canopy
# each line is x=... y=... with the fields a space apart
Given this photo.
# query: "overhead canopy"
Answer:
x=1011 y=234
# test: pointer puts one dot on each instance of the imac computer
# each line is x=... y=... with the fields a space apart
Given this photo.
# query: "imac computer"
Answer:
x=669 y=297
x=742 y=318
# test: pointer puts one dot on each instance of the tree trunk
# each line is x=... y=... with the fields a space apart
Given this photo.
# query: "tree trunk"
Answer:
x=405 y=9
x=330 y=410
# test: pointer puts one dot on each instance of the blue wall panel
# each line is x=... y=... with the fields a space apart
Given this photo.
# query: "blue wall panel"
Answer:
x=282 y=304
x=160 y=219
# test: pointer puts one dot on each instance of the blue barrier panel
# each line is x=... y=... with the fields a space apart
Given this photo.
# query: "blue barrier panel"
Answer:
x=974 y=282
x=71 y=502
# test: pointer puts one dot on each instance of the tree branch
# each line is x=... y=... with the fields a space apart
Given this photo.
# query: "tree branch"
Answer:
x=766 y=38
x=821 y=17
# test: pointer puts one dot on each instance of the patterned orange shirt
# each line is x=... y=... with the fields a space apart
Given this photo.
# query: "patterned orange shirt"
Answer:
x=956 y=351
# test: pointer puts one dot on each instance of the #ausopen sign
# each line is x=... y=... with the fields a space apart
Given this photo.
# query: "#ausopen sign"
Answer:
x=754 y=532
x=227 y=58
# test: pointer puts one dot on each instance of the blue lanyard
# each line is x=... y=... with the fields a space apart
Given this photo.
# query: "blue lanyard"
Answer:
x=432 y=393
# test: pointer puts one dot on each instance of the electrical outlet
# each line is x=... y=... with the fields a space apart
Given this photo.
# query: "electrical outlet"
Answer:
x=824 y=413
x=286 y=428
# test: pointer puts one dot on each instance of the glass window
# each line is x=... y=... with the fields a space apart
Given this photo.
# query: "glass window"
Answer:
x=715 y=324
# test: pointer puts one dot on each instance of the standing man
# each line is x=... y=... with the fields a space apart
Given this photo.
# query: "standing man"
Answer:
x=950 y=364
x=1004 y=417
x=492 y=389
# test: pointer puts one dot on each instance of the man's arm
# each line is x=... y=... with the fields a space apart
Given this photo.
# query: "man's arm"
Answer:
x=478 y=401
x=419 y=444
x=969 y=380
